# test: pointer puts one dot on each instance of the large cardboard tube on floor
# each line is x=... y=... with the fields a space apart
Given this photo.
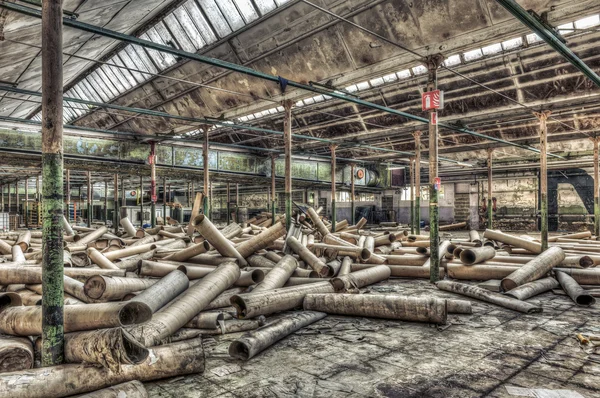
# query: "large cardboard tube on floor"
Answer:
x=346 y=267
x=385 y=306
x=528 y=245
x=262 y=240
x=317 y=222
x=16 y=353
x=162 y=292
x=130 y=389
x=17 y=255
x=189 y=252
x=574 y=290
x=405 y=259
x=458 y=307
x=107 y=347
x=474 y=237
x=402 y=271
x=535 y=269
x=181 y=310
x=249 y=305
x=259 y=261
x=99 y=259
x=224 y=299
x=109 y=288
x=92 y=236
x=207 y=320
x=181 y=358
x=250 y=277
x=67 y=227
x=82 y=274
x=252 y=343
x=207 y=229
x=27 y=321
x=24 y=240
x=358 y=279
x=5 y=248
x=488 y=296
x=360 y=253
x=578 y=235
x=279 y=274
x=129 y=251
x=477 y=255
x=533 y=288
x=479 y=272
x=128 y=226
x=582 y=276
x=308 y=257
x=17 y=274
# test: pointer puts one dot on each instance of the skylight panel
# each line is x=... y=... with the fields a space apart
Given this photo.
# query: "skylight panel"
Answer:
x=309 y=101
x=533 y=38
x=90 y=91
x=473 y=55
x=452 y=60
x=122 y=71
x=116 y=80
x=419 y=70
x=587 y=22
x=363 y=86
x=146 y=63
x=127 y=61
x=216 y=18
x=246 y=9
x=231 y=13
x=403 y=74
x=351 y=89
x=566 y=28
x=264 y=6
x=161 y=59
x=511 y=44
x=376 y=82
x=98 y=86
x=189 y=27
x=204 y=28
x=491 y=50
x=179 y=34
x=107 y=82
x=392 y=77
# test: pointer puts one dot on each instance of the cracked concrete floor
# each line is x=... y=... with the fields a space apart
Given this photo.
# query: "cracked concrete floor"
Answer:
x=474 y=355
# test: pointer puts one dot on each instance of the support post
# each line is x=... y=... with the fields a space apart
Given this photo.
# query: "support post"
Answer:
x=2 y=198
x=333 y=147
x=206 y=186
x=352 y=192
x=228 y=202
x=596 y=188
x=17 y=198
x=52 y=185
x=89 y=199
x=26 y=207
x=164 y=200
x=105 y=203
x=417 y=211
x=273 y=193
x=237 y=202
x=153 y=184
x=412 y=194
x=116 y=218
x=141 y=202
x=433 y=63
x=9 y=199
x=543 y=118
x=68 y=195
x=490 y=209
x=287 y=134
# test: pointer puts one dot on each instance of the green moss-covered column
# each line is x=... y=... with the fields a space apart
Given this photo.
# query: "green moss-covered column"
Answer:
x=543 y=117
x=411 y=171
x=490 y=210
x=105 y=218
x=89 y=199
x=116 y=218
x=52 y=185
x=417 y=211
x=26 y=207
x=287 y=132
x=433 y=63
x=141 y=202
x=153 y=197
x=205 y=164
x=596 y=188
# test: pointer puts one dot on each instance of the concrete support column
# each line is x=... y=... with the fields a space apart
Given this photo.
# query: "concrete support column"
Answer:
x=164 y=200
x=352 y=192
x=287 y=133
x=433 y=63
x=1 y=198
x=206 y=186
x=141 y=202
x=17 y=196
x=105 y=218
x=89 y=199
x=543 y=118
x=68 y=195
x=9 y=199
x=411 y=169
x=490 y=209
x=237 y=202
x=37 y=188
x=333 y=147
x=52 y=188
x=417 y=210
x=153 y=184
x=116 y=218
x=26 y=204
x=595 y=140
x=228 y=202
x=273 y=193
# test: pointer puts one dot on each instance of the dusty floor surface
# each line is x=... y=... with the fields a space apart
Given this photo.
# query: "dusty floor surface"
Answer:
x=474 y=355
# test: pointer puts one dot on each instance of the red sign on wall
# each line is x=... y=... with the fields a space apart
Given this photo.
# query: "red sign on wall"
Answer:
x=434 y=119
x=432 y=100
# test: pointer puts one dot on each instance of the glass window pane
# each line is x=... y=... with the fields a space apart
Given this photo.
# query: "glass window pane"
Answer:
x=144 y=59
x=91 y=91
x=247 y=10
x=160 y=34
x=216 y=18
x=206 y=31
x=377 y=82
x=473 y=55
x=493 y=49
x=124 y=55
x=512 y=43
x=126 y=74
x=156 y=56
x=533 y=38
x=107 y=82
x=98 y=87
x=363 y=86
x=113 y=78
x=452 y=60
x=264 y=6
x=390 y=78
x=587 y=22
x=180 y=36
x=190 y=28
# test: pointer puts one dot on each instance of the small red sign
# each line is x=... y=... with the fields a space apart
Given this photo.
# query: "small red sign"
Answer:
x=432 y=100
x=133 y=193
x=153 y=199
x=433 y=119
x=151 y=159
x=437 y=183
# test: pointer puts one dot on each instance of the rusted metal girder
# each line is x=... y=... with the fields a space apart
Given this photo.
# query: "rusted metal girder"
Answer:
x=52 y=185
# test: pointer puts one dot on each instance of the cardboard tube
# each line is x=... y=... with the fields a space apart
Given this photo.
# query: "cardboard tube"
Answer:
x=279 y=275
x=574 y=290
x=308 y=257
x=99 y=259
x=162 y=292
x=358 y=279
x=384 y=306
x=534 y=288
x=405 y=259
x=128 y=226
x=262 y=240
x=531 y=246
x=589 y=276
x=92 y=236
x=206 y=228
x=257 y=260
x=477 y=255
x=249 y=305
x=130 y=251
x=223 y=299
x=355 y=252
x=535 y=269
x=317 y=222
x=109 y=288
x=458 y=306
x=130 y=389
x=479 y=272
x=488 y=296
x=190 y=252
x=186 y=357
x=16 y=353
x=207 y=320
x=346 y=267
x=252 y=343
